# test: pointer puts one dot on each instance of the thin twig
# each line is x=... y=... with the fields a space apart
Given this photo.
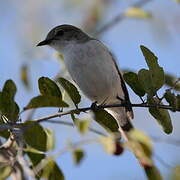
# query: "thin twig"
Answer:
x=174 y=142
x=120 y=17
x=72 y=125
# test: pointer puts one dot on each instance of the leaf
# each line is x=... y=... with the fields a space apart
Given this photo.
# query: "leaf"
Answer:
x=38 y=137
x=78 y=155
x=109 y=144
x=170 y=98
x=161 y=115
x=132 y=80
x=52 y=171
x=156 y=72
x=9 y=89
x=106 y=120
x=8 y=106
x=36 y=158
x=82 y=125
x=71 y=90
x=176 y=173
x=24 y=76
x=5 y=134
x=48 y=87
x=137 y=12
x=45 y=101
x=153 y=173
x=5 y=172
x=144 y=140
x=170 y=81
x=146 y=81
x=178 y=101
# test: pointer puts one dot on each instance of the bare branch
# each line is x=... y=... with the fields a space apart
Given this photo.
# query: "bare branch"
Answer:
x=72 y=125
x=120 y=17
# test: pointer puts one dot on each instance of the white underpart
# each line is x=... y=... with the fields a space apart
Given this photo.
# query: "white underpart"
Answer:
x=91 y=66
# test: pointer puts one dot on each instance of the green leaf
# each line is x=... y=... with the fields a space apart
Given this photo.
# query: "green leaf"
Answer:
x=176 y=173
x=106 y=120
x=146 y=81
x=153 y=173
x=161 y=115
x=71 y=90
x=170 y=81
x=38 y=137
x=8 y=106
x=108 y=143
x=9 y=89
x=78 y=155
x=144 y=140
x=82 y=125
x=48 y=87
x=178 y=102
x=136 y=12
x=45 y=101
x=36 y=158
x=5 y=134
x=5 y=172
x=156 y=72
x=170 y=98
x=25 y=76
x=52 y=171
x=132 y=80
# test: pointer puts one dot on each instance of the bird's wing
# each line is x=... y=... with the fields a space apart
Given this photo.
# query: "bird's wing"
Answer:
x=129 y=109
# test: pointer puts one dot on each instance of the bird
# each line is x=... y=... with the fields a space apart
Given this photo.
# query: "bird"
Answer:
x=94 y=69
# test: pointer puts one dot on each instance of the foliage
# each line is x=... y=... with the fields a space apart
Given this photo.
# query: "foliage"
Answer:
x=38 y=141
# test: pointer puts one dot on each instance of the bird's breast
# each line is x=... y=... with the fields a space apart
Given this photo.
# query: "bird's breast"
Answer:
x=91 y=67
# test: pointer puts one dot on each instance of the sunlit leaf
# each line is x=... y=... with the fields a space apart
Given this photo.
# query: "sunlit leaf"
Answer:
x=52 y=171
x=176 y=173
x=78 y=155
x=161 y=115
x=144 y=140
x=132 y=79
x=136 y=12
x=24 y=76
x=82 y=126
x=71 y=90
x=48 y=87
x=106 y=120
x=153 y=173
x=45 y=101
x=38 y=137
x=5 y=172
x=109 y=144
x=156 y=72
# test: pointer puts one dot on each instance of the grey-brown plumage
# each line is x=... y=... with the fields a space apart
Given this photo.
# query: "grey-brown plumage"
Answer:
x=93 y=68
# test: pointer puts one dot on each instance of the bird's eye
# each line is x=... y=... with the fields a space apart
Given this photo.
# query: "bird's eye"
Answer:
x=60 y=33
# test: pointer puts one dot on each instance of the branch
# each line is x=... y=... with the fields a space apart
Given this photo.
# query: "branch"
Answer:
x=60 y=114
x=120 y=17
x=72 y=125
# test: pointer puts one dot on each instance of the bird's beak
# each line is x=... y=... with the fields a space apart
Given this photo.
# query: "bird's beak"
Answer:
x=43 y=43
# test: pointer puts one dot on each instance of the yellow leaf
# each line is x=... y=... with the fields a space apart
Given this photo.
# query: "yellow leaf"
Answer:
x=108 y=144
x=136 y=12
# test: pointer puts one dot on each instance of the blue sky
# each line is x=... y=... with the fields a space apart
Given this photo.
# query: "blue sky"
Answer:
x=23 y=25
